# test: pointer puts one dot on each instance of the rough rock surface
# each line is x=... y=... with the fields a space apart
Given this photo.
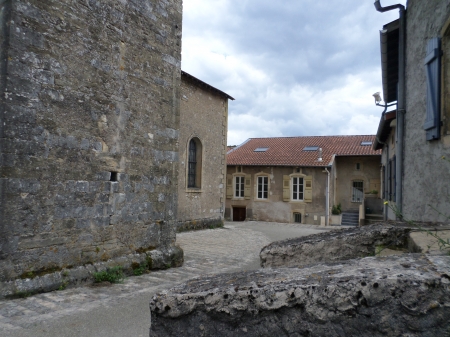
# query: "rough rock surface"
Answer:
x=332 y=246
x=406 y=295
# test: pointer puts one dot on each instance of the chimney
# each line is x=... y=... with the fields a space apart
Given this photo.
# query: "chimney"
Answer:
x=319 y=154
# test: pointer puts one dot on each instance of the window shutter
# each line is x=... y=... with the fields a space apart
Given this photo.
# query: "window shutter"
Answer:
x=286 y=188
x=433 y=70
x=229 y=186
x=248 y=186
x=308 y=189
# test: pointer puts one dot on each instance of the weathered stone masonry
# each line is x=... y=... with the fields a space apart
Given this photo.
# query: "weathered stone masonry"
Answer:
x=89 y=130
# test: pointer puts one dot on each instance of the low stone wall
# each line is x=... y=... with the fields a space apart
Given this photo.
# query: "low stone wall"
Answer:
x=83 y=275
x=332 y=246
x=407 y=295
x=199 y=224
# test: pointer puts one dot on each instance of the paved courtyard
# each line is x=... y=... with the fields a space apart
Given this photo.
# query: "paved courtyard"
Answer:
x=122 y=309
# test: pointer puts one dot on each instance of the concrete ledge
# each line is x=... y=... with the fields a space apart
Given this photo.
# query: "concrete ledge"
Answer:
x=407 y=295
x=332 y=246
x=83 y=275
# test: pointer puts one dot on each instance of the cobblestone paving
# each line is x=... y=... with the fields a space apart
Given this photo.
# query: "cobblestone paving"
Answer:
x=207 y=251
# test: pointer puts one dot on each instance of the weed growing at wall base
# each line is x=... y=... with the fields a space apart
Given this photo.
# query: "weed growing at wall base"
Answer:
x=112 y=275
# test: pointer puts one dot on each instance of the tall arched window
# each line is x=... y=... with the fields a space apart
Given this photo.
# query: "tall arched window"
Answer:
x=194 y=163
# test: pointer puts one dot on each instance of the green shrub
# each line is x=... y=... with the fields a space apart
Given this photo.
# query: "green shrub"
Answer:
x=336 y=209
x=113 y=275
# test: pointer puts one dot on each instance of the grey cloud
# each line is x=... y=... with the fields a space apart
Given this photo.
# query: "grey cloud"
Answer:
x=309 y=43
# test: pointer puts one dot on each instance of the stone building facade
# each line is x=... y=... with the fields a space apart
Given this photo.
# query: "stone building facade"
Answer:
x=203 y=130
x=88 y=130
x=357 y=178
x=299 y=179
x=424 y=137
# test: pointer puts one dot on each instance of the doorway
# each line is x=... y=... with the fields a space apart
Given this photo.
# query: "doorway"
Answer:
x=358 y=191
x=239 y=213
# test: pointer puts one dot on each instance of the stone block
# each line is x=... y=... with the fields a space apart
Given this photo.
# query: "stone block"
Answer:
x=82 y=186
x=105 y=176
x=111 y=187
x=103 y=197
x=332 y=246
x=96 y=186
x=101 y=221
x=84 y=145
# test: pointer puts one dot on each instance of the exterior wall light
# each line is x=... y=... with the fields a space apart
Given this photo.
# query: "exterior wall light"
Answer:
x=378 y=99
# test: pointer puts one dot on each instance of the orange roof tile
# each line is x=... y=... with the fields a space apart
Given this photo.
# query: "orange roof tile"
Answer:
x=288 y=151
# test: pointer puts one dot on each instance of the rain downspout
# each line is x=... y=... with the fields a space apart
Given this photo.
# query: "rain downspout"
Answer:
x=327 y=199
x=400 y=100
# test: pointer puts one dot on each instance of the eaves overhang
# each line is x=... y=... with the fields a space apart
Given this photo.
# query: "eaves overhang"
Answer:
x=389 y=44
x=204 y=85
x=384 y=129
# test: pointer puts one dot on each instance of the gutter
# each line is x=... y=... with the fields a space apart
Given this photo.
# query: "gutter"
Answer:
x=400 y=99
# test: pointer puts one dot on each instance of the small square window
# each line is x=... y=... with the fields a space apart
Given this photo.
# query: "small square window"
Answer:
x=298 y=217
x=358 y=166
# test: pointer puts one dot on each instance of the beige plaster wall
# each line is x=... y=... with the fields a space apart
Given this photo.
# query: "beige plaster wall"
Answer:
x=204 y=115
x=274 y=208
x=346 y=172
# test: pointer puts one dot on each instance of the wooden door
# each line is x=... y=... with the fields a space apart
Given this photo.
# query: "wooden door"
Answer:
x=239 y=213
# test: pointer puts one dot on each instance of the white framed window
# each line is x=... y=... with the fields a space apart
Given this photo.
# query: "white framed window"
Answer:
x=262 y=188
x=239 y=182
x=297 y=188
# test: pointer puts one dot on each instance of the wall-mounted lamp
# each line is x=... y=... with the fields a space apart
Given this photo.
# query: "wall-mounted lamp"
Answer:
x=378 y=99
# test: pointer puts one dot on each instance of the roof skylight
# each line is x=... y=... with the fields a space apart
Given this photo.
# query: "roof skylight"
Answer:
x=310 y=148
x=261 y=149
x=366 y=143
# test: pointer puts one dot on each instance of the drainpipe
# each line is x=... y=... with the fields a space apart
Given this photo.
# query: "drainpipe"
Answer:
x=327 y=199
x=400 y=100
x=386 y=184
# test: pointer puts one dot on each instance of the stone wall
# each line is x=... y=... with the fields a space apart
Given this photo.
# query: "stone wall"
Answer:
x=345 y=172
x=204 y=115
x=274 y=208
x=393 y=296
x=89 y=131
x=425 y=173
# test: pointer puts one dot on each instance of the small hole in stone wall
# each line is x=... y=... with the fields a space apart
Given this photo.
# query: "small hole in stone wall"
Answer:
x=375 y=285
x=113 y=176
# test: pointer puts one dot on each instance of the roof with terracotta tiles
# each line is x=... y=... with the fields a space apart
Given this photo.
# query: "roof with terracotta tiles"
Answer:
x=230 y=147
x=289 y=151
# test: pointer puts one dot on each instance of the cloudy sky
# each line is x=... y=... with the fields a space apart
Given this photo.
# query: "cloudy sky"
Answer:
x=295 y=67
